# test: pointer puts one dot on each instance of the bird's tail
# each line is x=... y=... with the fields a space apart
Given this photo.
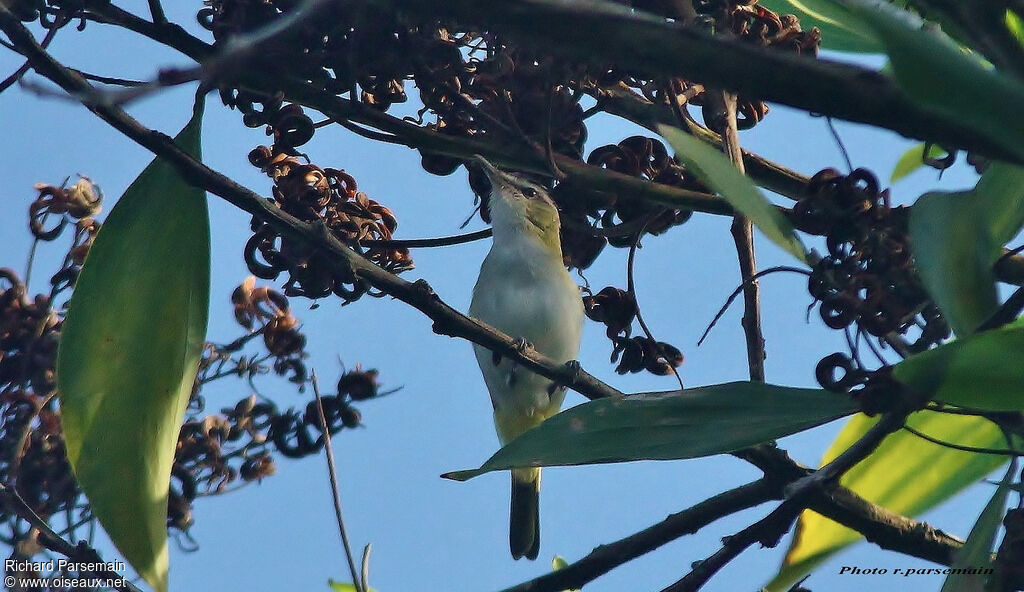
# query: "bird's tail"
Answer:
x=524 y=517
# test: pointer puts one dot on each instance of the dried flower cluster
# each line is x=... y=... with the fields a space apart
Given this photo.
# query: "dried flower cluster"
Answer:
x=316 y=195
x=474 y=84
x=867 y=281
x=214 y=450
x=616 y=309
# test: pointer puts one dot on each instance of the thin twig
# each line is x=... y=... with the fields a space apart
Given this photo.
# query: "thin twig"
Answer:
x=413 y=243
x=839 y=143
x=17 y=74
x=631 y=288
x=739 y=290
x=743 y=237
x=976 y=449
x=157 y=12
x=335 y=492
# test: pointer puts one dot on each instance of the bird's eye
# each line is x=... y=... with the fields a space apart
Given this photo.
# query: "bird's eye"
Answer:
x=530 y=192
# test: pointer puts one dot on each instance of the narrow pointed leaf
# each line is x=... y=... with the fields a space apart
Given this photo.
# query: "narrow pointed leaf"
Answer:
x=981 y=371
x=906 y=474
x=665 y=426
x=977 y=550
x=913 y=159
x=840 y=29
x=717 y=172
x=129 y=352
x=926 y=64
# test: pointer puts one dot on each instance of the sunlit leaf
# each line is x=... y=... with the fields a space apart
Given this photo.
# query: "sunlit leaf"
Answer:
x=665 y=426
x=913 y=159
x=906 y=474
x=840 y=29
x=717 y=172
x=1015 y=25
x=981 y=371
x=927 y=64
x=129 y=352
x=976 y=554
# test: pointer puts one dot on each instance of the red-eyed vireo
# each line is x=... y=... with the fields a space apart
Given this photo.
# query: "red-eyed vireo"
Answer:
x=525 y=290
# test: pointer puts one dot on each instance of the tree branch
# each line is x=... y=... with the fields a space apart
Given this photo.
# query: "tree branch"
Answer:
x=602 y=33
x=447 y=320
x=607 y=557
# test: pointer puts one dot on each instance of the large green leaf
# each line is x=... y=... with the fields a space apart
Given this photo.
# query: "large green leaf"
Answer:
x=840 y=29
x=982 y=371
x=1000 y=195
x=906 y=474
x=671 y=425
x=129 y=353
x=977 y=550
x=718 y=173
x=957 y=237
x=927 y=64
x=953 y=258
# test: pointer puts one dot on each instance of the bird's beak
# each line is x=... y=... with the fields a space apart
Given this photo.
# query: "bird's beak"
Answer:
x=493 y=174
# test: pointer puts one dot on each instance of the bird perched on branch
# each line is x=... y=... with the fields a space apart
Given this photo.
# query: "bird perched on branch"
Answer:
x=525 y=291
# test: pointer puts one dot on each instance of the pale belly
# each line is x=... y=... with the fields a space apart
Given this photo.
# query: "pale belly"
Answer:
x=539 y=304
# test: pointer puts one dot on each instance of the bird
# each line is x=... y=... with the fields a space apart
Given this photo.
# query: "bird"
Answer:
x=524 y=290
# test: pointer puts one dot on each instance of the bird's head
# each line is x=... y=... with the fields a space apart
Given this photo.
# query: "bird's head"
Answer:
x=520 y=206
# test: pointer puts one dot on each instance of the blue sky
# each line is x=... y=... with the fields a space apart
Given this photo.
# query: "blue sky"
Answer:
x=428 y=533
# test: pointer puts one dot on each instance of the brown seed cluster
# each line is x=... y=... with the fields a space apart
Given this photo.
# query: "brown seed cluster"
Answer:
x=476 y=84
x=867 y=280
x=329 y=197
x=616 y=309
x=213 y=451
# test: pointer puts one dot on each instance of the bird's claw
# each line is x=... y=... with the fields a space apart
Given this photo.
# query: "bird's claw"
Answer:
x=573 y=368
x=521 y=345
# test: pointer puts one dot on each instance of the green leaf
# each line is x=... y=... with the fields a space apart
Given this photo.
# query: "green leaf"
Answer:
x=129 y=352
x=953 y=258
x=913 y=159
x=840 y=29
x=718 y=173
x=927 y=64
x=1015 y=25
x=665 y=426
x=981 y=371
x=957 y=238
x=977 y=550
x=1000 y=195
x=344 y=587
x=906 y=474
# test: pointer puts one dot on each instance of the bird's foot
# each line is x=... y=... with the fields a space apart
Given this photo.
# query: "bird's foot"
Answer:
x=522 y=346
x=573 y=368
